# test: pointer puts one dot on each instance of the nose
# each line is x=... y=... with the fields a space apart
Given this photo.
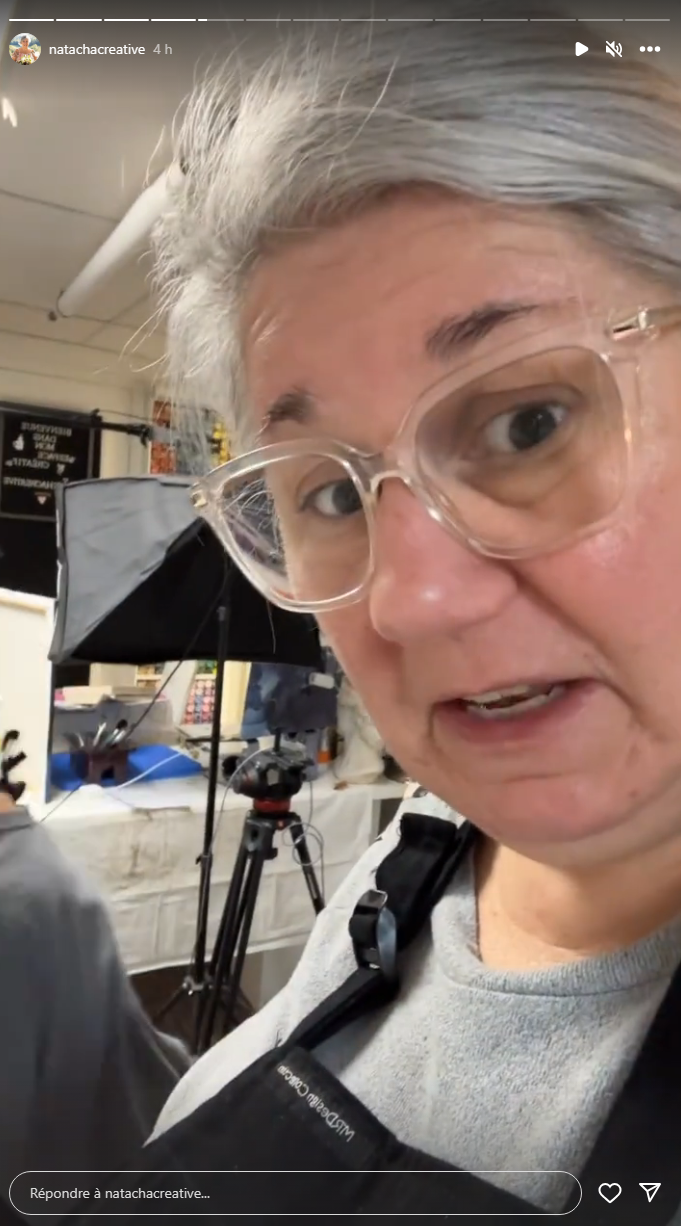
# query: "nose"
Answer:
x=426 y=582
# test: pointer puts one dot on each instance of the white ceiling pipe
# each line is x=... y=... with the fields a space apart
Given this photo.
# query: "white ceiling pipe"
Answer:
x=128 y=237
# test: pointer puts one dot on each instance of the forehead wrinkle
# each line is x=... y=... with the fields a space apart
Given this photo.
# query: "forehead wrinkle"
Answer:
x=537 y=246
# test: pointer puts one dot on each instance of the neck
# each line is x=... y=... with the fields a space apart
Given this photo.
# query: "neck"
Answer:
x=532 y=914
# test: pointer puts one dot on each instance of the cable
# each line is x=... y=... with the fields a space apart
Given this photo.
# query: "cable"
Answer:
x=177 y=753
x=117 y=787
x=310 y=831
x=60 y=802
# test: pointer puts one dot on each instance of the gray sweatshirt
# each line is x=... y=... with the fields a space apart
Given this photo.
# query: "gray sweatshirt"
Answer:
x=490 y=1070
x=83 y=1073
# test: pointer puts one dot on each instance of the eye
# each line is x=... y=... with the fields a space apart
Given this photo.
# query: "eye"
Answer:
x=335 y=500
x=524 y=427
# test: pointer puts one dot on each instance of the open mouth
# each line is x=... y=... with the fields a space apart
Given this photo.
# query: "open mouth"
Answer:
x=513 y=702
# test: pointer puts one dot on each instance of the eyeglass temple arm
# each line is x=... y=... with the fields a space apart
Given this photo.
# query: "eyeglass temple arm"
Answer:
x=646 y=320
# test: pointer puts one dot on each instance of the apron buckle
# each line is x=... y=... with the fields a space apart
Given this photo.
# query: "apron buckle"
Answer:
x=373 y=930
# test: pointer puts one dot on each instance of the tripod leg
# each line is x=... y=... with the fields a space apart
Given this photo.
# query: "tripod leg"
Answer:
x=250 y=899
x=227 y=921
x=305 y=860
x=212 y=966
x=219 y=936
x=256 y=847
x=233 y=933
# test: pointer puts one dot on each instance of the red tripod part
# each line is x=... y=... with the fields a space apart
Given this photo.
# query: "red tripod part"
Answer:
x=270 y=808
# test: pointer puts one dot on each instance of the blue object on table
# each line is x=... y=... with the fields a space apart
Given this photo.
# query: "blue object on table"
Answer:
x=148 y=758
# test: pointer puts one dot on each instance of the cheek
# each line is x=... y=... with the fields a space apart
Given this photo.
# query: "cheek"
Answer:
x=622 y=591
x=644 y=564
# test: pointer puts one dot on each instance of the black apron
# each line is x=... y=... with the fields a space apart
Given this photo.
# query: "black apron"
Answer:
x=285 y=1137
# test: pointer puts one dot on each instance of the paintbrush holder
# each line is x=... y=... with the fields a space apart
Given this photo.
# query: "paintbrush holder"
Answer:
x=101 y=766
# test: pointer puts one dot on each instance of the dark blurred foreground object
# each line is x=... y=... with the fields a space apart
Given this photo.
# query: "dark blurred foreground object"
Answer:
x=83 y=1072
x=11 y=757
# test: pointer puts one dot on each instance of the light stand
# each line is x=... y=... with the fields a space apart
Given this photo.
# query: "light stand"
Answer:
x=195 y=982
x=205 y=860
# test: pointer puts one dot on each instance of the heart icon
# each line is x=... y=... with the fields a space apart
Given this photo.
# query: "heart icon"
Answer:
x=610 y=1191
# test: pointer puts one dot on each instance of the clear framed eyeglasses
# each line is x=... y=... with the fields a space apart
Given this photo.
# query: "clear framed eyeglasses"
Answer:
x=516 y=455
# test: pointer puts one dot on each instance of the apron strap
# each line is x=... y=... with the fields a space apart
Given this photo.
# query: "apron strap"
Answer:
x=642 y=1131
x=409 y=883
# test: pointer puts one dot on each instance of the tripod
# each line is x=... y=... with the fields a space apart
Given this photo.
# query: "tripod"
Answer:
x=268 y=815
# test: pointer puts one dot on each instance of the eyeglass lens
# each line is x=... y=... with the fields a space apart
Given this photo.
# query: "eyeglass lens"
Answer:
x=520 y=459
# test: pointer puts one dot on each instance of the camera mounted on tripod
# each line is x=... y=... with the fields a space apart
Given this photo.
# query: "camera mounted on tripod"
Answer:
x=267 y=777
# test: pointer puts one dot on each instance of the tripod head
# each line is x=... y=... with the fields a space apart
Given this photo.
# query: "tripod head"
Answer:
x=269 y=778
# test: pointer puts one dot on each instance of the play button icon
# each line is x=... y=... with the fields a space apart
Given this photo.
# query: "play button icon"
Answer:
x=580 y=49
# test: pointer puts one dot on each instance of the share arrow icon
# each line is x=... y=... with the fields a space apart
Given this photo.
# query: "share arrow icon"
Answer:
x=650 y=1189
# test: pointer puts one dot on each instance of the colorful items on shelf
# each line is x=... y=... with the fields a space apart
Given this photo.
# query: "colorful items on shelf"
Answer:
x=170 y=455
x=162 y=456
x=201 y=701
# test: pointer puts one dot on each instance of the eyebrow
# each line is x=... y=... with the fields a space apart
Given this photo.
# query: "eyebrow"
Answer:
x=448 y=339
x=459 y=331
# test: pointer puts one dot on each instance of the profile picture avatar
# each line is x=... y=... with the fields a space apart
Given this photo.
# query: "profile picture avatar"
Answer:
x=24 y=49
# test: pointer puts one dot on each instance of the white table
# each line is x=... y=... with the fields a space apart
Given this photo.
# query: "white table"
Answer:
x=140 y=846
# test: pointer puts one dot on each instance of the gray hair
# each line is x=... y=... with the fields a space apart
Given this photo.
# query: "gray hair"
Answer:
x=325 y=125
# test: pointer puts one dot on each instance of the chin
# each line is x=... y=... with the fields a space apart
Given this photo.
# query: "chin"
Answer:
x=561 y=817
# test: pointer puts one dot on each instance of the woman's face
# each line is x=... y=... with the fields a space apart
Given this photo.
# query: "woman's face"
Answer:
x=343 y=315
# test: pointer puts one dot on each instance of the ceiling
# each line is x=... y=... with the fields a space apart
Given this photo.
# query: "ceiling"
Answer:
x=91 y=132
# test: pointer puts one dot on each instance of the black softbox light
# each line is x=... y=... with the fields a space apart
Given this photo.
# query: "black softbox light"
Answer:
x=140 y=576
